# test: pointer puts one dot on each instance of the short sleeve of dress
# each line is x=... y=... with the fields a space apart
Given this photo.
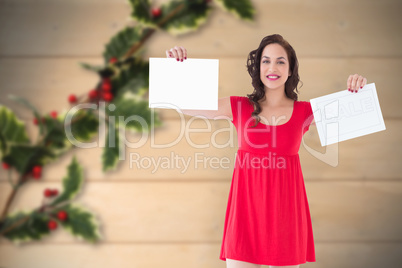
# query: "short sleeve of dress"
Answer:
x=308 y=116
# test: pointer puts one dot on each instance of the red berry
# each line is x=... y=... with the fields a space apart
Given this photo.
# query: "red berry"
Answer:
x=106 y=85
x=72 y=98
x=107 y=96
x=50 y=192
x=156 y=12
x=62 y=215
x=37 y=169
x=5 y=165
x=113 y=60
x=53 y=114
x=47 y=192
x=93 y=94
x=35 y=121
x=36 y=172
x=52 y=224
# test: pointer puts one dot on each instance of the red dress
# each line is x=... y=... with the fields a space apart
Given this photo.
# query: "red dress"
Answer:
x=267 y=218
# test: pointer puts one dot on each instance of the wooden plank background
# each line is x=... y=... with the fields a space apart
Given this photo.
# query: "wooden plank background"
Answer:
x=172 y=217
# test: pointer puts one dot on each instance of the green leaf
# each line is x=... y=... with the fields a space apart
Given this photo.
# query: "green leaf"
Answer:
x=242 y=9
x=81 y=223
x=24 y=157
x=91 y=67
x=34 y=228
x=84 y=125
x=55 y=138
x=122 y=42
x=136 y=112
x=110 y=154
x=71 y=183
x=12 y=130
x=28 y=105
x=141 y=12
x=189 y=18
x=133 y=77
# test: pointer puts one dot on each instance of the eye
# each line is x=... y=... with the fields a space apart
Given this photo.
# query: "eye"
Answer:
x=265 y=61
x=281 y=62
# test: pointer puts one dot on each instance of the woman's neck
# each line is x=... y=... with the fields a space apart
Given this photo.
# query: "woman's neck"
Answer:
x=275 y=97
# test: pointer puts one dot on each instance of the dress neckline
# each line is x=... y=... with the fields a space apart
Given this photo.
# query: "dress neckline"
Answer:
x=291 y=117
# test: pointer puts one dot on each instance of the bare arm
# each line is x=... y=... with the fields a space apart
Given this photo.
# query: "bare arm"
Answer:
x=224 y=111
x=224 y=108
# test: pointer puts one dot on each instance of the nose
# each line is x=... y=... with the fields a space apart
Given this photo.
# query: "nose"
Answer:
x=271 y=68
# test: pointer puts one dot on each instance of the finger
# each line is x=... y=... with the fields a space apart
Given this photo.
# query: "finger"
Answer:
x=354 y=82
x=175 y=54
x=364 y=82
x=359 y=83
x=184 y=53
x=169 y=54
x=180 y=52
x=349 y=82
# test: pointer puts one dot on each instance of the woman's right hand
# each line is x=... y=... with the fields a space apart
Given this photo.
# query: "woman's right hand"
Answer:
x=224 y=107
x=179 y=53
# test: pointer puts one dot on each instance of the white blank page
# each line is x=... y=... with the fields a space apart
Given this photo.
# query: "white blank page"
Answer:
x=191 y=84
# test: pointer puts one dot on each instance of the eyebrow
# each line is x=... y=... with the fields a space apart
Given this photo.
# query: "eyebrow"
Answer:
x=276 y=58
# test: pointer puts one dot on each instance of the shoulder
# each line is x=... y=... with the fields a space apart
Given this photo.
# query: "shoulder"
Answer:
x=305 y=104
x=240 y=103
x=307 y=110
x=240 y=99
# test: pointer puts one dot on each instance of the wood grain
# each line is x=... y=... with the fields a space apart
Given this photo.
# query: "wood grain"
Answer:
x=168 y=218
x=194 y=211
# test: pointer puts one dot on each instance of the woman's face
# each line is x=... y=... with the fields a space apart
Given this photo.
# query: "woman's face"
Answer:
x=274 y=67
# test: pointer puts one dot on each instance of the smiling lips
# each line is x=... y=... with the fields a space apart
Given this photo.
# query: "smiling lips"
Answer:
x=273 y=77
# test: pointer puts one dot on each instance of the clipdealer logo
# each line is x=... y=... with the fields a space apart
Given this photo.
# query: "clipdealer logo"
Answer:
x=175 y=160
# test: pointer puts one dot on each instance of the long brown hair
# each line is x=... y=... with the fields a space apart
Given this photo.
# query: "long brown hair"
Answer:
x=253 y=67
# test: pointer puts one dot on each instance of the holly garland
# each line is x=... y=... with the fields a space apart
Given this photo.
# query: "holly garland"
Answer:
x=122 y=89
x=56 y=209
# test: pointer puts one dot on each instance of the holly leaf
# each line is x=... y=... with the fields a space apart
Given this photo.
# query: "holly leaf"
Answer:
x=188 y=18
x=123 y=41
x=134 y=77
x=81 y=223
x=110 y=154
x=242 y=9
x=33 y=228
x=84 y=125
x=72 y=183
x=12 y=130
x=23 y=157
x=133 y=113
x=141 y=12
x=55 y=137
x=28 y=105
x=91 y=67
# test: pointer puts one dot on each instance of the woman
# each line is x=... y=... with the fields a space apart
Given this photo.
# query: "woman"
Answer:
x=267 y=218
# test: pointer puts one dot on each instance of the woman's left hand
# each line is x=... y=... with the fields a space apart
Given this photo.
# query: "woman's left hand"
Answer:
x=356 y=82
